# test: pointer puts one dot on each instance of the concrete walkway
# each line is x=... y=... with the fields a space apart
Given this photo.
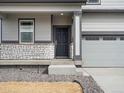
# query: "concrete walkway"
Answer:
x=111 y=80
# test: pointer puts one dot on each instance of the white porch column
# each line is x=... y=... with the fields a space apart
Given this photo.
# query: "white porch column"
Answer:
x=77 y=36
x=0 y=29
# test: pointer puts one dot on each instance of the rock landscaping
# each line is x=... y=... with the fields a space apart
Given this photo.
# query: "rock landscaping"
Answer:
x=87 y=83
x=40 y=87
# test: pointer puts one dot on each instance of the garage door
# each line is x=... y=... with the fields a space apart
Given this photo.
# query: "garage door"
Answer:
x=103 y=51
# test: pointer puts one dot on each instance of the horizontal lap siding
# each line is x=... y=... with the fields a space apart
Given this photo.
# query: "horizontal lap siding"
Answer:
x=112 y=2
x=111 y=5
x=103 y=22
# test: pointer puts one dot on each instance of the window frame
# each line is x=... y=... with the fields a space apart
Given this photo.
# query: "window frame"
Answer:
x=92 y=38
x=109 y=38
x=33 y=32
x=97 y=3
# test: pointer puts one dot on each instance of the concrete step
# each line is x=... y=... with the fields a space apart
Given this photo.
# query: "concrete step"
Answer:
x=62 y=70
x=66 y=70
x=38 y=62
x=81 y=71
x=62 y=62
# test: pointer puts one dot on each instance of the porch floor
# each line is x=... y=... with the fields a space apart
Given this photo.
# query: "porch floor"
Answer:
x=38 y=62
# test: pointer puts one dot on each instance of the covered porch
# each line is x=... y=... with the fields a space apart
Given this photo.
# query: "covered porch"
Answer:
x=40 y=31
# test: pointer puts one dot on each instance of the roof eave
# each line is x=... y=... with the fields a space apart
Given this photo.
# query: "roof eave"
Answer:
x=42 y=1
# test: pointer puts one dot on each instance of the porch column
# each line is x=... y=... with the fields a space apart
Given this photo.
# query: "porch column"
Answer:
x=2 y=16
x=77 y=36
x=0 y=29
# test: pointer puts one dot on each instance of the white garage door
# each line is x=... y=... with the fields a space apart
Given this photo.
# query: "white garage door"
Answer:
x=103 y=51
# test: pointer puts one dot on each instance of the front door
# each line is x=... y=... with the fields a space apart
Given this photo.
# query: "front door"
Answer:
x=62 y=42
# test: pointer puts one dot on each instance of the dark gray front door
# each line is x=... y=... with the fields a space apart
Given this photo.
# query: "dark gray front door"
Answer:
x=62 y=42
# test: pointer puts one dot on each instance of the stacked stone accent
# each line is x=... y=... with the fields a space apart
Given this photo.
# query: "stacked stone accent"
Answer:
x=27 y=51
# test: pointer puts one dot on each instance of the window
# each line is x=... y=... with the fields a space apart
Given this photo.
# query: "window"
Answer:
x=122 y=38
x=109 y=38
x=26 y=28
x=91 y=37
x=93 y=2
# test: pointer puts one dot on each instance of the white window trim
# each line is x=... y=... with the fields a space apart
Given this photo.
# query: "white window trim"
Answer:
x=27 y=31
x=96 y=3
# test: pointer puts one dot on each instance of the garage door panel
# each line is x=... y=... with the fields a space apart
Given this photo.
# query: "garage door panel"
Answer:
x=103 y=53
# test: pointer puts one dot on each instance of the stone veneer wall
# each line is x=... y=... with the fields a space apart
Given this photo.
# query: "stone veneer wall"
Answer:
x=27 y=51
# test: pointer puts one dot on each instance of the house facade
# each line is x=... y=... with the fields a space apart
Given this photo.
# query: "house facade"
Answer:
x=40 y=29
x=87 y=31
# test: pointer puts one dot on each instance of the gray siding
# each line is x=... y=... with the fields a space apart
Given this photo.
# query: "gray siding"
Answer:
x=116 y=3
x=42 y=26
x=10 y=28
x=103 y=22
x=106 y=5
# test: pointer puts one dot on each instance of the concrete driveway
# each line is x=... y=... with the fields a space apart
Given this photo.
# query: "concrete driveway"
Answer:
x=111 y=80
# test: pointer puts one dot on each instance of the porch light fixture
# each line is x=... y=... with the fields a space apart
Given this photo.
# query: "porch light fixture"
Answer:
x=61 y=14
